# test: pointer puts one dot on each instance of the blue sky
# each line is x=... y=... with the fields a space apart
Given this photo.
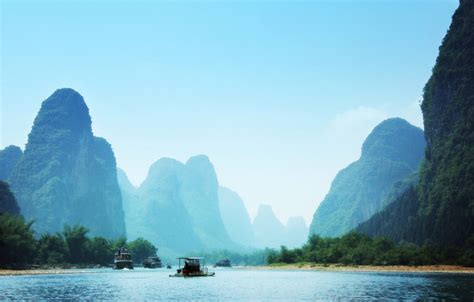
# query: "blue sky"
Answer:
x=279 y=95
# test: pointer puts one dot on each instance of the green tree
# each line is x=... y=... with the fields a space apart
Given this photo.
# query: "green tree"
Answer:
x=117 y=243
x=52 y=249
x=141 y=249
x=76 y=241
x=99 y=251
x=17 y=243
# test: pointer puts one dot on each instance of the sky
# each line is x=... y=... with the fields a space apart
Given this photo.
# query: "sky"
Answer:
x=279 y=94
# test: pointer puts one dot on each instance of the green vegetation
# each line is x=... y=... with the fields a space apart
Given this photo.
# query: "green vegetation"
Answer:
x=17 y=243
x=447 y=182
x=440 y=208
x=67 y=175
x=358 y=249
x=8 y=160
x=8 y=202
x=19 y=248
x=392 y=152
x=141 y=249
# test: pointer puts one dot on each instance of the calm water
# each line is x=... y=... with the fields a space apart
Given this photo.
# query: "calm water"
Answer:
x=236 y=284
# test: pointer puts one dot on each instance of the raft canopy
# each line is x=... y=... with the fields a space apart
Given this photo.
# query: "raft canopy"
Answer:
x=190 y=258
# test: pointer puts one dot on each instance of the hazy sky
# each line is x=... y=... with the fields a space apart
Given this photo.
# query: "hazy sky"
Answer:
x=279 y=95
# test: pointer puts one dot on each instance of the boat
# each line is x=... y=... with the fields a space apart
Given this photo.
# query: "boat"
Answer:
x=223 y=263
x=152 y=262
x=123 y=259
x=193 y=267
x=168 y=266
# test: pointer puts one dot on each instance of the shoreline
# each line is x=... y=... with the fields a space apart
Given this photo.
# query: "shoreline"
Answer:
x=445 y=269
x=46 y=271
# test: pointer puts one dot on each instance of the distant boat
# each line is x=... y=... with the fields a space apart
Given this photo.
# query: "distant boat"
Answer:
x=223 y=263
x=168 y=266
x=192 y=268
x=152 y=262
x=123 y=259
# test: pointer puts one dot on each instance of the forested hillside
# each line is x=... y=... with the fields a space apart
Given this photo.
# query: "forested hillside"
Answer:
x=391 y=153
x=66 y=174
x=440 y=208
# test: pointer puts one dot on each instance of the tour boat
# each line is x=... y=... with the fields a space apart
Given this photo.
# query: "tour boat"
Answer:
x=192 y=268
x=152 y=262
x=223 y=263
x=123 y=259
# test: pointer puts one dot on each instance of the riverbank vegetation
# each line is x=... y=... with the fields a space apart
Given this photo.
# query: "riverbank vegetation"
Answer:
x=20 y=248
x=358 y=249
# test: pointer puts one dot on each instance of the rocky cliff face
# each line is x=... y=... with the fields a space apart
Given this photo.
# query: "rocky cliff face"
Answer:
x=390 y=153
x=235 y=217
x=9 y=157
x=8 y=202
x=440 y=208
x=66 y=175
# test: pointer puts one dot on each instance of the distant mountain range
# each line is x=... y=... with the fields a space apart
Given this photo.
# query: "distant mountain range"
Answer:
x=66 y=175
x=176 y=206
x=236 y=218
x=270 y=232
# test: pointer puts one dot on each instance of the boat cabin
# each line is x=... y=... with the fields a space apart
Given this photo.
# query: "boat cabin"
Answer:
x=152 y=262
x=191 y=267
x=123 y=259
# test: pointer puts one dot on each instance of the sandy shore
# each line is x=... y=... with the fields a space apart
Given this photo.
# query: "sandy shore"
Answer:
x=11 y=272
x=367 y=268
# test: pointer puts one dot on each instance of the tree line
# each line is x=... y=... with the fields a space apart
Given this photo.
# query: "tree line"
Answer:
x=358 y=249
x=20 y=248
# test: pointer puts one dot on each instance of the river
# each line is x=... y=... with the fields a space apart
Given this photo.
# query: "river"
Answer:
x=237 y=284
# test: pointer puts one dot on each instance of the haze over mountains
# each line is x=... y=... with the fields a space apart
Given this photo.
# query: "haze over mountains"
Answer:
x=270 y=232
x=181 y=207
x=176 y=206
x=236 y=217
x=66 y=175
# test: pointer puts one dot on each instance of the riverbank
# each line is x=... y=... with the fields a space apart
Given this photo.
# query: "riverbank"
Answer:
x=448 y=269
x=49 y=271
x=453 y=269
